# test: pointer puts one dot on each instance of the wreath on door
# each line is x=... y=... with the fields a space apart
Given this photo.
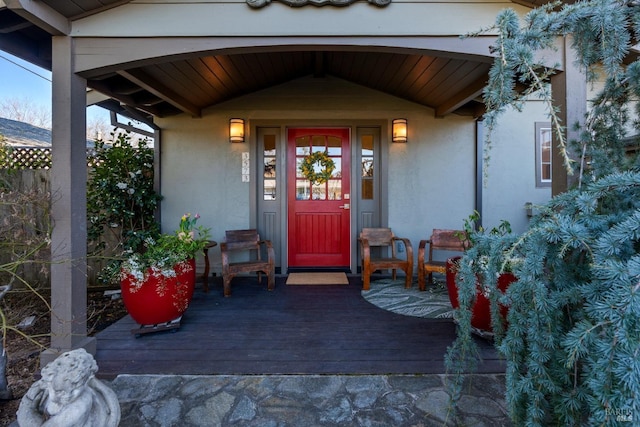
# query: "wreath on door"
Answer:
x=325 y=168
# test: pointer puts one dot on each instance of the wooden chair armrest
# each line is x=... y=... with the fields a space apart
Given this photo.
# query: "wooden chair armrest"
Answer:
x=271 y=254
x=424 y=243
x=407 y=245
x=363 y=241
x=366 y=249
x=422 y=250
x=225 y=256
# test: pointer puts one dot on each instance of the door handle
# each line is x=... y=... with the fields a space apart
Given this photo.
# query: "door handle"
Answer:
x=345 y=206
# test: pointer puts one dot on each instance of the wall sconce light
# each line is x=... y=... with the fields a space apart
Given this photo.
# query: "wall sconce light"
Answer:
x=528 y=207
x=399 y=130
x=236 y=130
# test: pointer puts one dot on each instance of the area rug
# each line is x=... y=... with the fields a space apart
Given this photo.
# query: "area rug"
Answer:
x=317 y=278
x=391 y=295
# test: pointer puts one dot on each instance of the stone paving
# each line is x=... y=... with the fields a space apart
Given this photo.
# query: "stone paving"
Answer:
x=307 y=400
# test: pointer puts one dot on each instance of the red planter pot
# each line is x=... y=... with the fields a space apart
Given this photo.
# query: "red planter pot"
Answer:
x=481 y=313
x=160 y=299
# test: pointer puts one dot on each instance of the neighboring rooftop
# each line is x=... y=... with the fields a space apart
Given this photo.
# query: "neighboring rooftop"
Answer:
x=20 y=134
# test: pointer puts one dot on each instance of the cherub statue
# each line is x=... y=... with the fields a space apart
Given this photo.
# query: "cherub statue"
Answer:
x=69 y=395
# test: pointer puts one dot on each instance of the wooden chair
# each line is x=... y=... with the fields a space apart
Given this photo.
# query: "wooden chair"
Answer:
x=247 y=241
x=383 y=237
x=205 y=275
x=441 y=240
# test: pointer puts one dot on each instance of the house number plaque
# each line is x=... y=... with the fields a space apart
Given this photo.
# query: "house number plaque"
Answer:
x=245 y=167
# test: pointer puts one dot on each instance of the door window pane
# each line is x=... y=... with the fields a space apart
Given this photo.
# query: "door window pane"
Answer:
x=334 y=146
x=302 y=189
x=318 y=143
x=331 y=189
x=335 y=189
x=269 y=167
x=269 y=145
x=367 y=170
x=302 y=146
x=337 y=171
x=319 y=191
x=269 y=189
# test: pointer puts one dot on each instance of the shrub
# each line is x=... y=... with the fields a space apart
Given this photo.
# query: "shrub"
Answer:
x=121 y=200
x=572 y=344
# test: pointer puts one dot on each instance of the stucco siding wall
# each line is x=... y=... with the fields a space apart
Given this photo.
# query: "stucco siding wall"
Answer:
x=201 y=174
x=430 y=179
x=510 y=181
x=236 y=18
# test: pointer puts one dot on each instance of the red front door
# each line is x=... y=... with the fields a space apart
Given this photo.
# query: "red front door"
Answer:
x=319 y=222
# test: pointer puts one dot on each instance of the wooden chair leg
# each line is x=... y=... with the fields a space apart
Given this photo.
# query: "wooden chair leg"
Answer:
x=205 y=276
x=366 y=278
x=408 y=280
x=271 y=280
x=227 y=285
x=421 y=279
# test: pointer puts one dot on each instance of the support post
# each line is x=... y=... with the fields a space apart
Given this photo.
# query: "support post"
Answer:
x=479 y=200
x=569 y=90
x=69 y=206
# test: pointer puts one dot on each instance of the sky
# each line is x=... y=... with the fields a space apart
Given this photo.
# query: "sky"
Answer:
x=22 y=80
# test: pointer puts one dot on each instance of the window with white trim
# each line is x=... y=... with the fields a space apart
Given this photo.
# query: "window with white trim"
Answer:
x=543 y=154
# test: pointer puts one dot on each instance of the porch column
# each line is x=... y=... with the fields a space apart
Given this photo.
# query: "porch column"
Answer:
x=569 y=90
x=69 y=206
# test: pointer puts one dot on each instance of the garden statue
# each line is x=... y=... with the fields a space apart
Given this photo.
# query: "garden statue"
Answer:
x=69 y=395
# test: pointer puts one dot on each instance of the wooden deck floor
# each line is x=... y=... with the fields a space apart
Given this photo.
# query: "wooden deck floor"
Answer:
x=291 y=330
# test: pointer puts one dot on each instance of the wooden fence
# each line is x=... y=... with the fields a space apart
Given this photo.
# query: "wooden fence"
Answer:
x=25 y=225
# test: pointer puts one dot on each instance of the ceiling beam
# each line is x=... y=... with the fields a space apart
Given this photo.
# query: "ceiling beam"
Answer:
x=97 y=10
x=150 y=84
x=95 y=97
x=41 y=15
x=467 y=94
x=123 y=99
x=10 y=22
x=28 y=49
x=525 y=3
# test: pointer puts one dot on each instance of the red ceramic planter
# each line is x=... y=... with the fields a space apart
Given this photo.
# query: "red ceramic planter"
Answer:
x=481 y=314
x=160 y=299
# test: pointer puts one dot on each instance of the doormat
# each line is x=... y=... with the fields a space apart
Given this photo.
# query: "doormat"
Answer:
x=317 y=279
x=391 y=295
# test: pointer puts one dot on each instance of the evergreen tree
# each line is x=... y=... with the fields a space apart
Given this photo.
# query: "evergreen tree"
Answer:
x=572 y=337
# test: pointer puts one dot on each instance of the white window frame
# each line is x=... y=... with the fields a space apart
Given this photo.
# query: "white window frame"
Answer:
x=543 y=135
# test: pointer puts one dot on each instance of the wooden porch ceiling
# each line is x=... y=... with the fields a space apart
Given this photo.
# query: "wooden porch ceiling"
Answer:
x=189 y=85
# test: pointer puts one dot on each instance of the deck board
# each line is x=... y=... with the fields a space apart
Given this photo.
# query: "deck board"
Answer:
x=291 y=330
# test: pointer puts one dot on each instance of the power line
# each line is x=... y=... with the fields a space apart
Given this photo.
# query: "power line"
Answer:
x=25 y=68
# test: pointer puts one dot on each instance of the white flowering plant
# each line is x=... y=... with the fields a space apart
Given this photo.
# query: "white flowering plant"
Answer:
x=121 y=200
x=161 y=255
